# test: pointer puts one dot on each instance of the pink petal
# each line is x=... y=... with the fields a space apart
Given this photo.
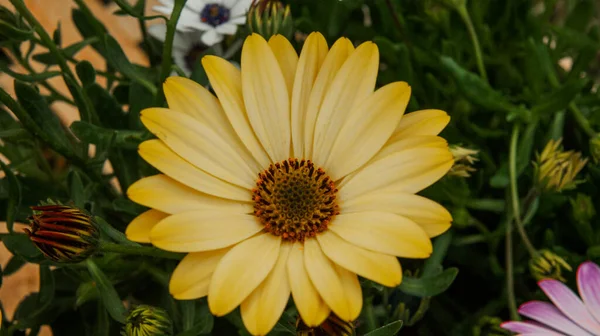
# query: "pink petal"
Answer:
x=528 y=327
x=549 y=315
x=569 y=304
x=588 y=282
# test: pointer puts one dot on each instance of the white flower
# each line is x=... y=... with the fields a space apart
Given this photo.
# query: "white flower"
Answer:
x=213 y=18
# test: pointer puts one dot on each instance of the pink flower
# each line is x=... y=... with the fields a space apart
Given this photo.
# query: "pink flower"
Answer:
x=567 y=314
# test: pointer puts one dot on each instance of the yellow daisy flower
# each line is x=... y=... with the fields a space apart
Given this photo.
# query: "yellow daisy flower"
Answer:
x=296 y=178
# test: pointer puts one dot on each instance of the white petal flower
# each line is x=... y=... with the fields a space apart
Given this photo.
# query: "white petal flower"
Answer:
x=187 y=47
x=213 y=18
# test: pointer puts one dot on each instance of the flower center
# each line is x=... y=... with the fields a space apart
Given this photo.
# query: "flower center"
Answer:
x=294 y=199
x=214 y=14
x=193 y=55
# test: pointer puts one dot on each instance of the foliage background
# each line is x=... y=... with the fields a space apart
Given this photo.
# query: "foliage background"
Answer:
x=539 y=81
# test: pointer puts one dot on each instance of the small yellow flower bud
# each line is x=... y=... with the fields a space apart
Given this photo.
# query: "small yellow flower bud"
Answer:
x=63 y=233
x=464 y=158
x=333 y=325
x=555 y=169
x=270 y=17
x=548 y=265
x=148 y=321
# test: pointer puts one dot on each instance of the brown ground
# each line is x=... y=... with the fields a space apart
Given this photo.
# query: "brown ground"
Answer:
x=49 y=13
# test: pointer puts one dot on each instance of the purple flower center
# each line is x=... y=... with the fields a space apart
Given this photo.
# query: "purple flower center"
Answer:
x=214 y=14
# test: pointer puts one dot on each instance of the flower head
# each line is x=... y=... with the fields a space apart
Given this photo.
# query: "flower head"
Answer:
x=555 y=169
x=567 y=314
x=333 y=325
x=270 y=17
x=188 y=47
x=269 y=185
x=214 y=18
x=62 y=233
x=464 y=159
x=548 y=265
x=146 y=320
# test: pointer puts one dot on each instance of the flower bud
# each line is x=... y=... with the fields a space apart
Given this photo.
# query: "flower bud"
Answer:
x=555 y=169
x=333 y=325
x=548 y=265
x=270 y=17
x=464 y=159
x=146 y=320
x=62 y=233
x=595 y=148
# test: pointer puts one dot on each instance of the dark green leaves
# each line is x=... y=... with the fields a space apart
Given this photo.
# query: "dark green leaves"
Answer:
x=14 y=196
x=429 y=286
x=117 y=59
x=107 y=292
x=391 y=329
x=118 y=138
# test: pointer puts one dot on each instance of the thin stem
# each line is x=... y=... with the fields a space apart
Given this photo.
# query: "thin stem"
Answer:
x=464 y=14
x=165 y=67
x=397 y=21
x=510 y=282
x=512 y=167
x=582 y=120
x=138 y=250
x=370 y=316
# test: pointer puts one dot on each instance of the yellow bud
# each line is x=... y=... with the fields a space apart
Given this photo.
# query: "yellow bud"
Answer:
x=555 y=169
x=548 y=265
x=270 y=17
x=464 y=159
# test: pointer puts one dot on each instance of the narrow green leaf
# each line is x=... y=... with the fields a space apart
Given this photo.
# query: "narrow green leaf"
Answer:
x=88 y=26
x=14 y=133
x=86 y=72
x=14 y=264
x=433 y=264
x=102 y=327
x=86 y=291
x=107 y=108
x=20 y=245
x=57 y=35
x=48 y=58
x=14 y=200
x=188 y=313
x=112 y=233
x=117 y=59
x=429 y=286
x=76 y=190
x=390 y=329
x=139 y=98
x=108 y=294
x=118 y=138
x=11 y=32
x=559 y=99
x=29 y=78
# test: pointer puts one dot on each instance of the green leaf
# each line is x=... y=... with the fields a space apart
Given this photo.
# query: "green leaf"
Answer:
x=88 y=26
x=139 y=98
x=118 y=138
x=112 y=233
x=86 y=291
x=478 y=92
x=13 y=33
x=108 y=294
x=106 y=106
x=14 y=264
x=48 y=58
x=30 y=78
x=102 y=327
x=188 y=312
x=86 y=72
x=203 y=322
x=137 y=10
x=20 y=245
x=559 y=100
x=14 y=200
x=429 y=286
x=76 y=191
x=433 y=264
x=30 y=313
x=48 y=125
x=390 y=329
x=118 y=60
x=57 y=35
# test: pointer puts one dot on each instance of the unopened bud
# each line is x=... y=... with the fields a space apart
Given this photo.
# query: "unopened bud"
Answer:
x=270 y=17
x=555 y=169
x=148 y=321
x=548 y=265
x=63 y=233
x=464 y=159
x=333 y=325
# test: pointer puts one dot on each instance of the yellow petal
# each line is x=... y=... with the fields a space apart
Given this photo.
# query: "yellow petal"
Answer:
x=192 y=276
x=156 y=153
x=200 y=145
x=331 y=282
x=368 y=127
x=185 y=95
x=429 y=215
x=167 y=195
x=241 y=271
x=312 y=56
x=139 y=228
x=400 y=144
x=263 y=308
x=383 y=232
x=381 y=268
x=353 y=83
x=266 y=98
x=424 y=122
x=410 y=171
x=352 y=290
x=226 y=80
x=286 y=57
x=339 y=53
x=203 y=230
x=309 y=303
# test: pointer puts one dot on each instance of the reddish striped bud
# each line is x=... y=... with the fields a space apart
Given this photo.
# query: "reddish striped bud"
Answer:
x=63 y=233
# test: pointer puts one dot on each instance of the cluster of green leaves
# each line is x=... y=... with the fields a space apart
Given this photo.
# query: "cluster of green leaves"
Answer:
x=509 y=87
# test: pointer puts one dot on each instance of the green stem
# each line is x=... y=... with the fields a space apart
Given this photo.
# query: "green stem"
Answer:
x=165 y=68
x=510 y=282
x=512 y=168
x=138 y=250
x=464 y=14
x=582 y=120
x=370 y=315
